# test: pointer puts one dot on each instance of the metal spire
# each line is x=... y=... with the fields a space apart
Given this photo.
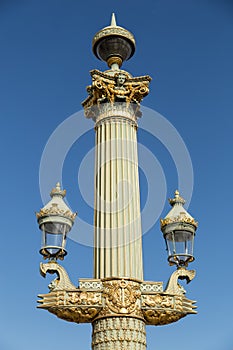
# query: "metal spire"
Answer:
x=113 y=21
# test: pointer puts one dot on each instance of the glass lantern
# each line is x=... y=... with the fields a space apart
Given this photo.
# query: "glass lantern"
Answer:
x=179 y=244
x=55 y=220
x=54 y=240
x=179 y=229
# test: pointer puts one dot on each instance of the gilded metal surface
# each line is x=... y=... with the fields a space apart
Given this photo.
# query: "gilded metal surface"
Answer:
x=120 y=87
x=113 y=31
x=116 y=30
x=121 y=297
x=177 y=199
x=100 y=299
x=163 y=309
x=179 y=218
x=58 y=191
x=67 y=301
x=178 y=214
x=62 y=282
x=53 y=210
x=114 y=60
x=56 y=206
x=75 y=314
x=173 y=287
x=161 y=317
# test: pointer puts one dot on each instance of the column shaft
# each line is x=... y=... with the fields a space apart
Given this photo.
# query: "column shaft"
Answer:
x=118 y=247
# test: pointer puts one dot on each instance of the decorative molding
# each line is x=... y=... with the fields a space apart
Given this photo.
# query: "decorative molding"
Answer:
x=121 y=296
x=179 y=218
x=118 y=112
x=164 y=309
x=158 y=301
x=152 y=287
x=55 y=210
x=159 y=318
x=75 y=314
x=120 y=87
x=90 y=284
x=119 y=333
x=110 y=30
x=97 y=299
x=76 y=306
x=173 y=287
x=62 y=282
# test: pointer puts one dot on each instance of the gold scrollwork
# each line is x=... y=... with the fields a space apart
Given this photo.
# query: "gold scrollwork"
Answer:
x=161 y=317
x=120 y=87
x=158 y=301
x=121 y=296
x=115 y=297
x=75 y=314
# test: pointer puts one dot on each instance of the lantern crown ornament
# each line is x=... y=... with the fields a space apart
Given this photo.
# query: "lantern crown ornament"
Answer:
x=179 y=229
x=113 y=44
x=55 y=220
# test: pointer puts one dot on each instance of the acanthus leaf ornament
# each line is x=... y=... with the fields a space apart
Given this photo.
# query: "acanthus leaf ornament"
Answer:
x=119 y=87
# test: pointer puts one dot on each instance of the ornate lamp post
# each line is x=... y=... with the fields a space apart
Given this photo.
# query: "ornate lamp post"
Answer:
x=117 y=301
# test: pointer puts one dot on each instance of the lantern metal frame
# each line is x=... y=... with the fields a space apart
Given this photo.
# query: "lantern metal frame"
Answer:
x=46 y=246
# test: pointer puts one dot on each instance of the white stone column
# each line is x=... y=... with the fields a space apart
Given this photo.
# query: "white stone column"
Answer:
x=118 y=243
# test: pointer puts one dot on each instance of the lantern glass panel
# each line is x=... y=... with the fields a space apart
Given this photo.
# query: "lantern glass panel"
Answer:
x=54 y=237
x=180 y=246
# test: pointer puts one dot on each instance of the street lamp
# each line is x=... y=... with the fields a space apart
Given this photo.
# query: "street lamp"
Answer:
x=117 y=301
x=55 y=220
x=178 y=229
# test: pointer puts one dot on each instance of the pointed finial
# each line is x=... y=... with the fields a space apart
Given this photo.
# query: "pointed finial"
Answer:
x=113 y=20
x=177 y=199
x=57 y=191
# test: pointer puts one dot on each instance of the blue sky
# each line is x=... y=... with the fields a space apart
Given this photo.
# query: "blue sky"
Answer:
x=186 y=46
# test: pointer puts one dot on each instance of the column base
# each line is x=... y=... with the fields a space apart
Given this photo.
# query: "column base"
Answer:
x=118 y=333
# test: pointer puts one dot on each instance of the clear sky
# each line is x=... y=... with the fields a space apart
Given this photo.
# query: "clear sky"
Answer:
x=45 y=58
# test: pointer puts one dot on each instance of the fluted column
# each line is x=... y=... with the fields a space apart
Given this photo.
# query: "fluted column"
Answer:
x=118 y=247
x=113 y=103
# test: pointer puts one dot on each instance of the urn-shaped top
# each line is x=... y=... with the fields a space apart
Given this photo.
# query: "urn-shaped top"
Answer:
x=113 y=44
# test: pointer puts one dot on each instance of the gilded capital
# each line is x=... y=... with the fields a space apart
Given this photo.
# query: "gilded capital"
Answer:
x=114 y=87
